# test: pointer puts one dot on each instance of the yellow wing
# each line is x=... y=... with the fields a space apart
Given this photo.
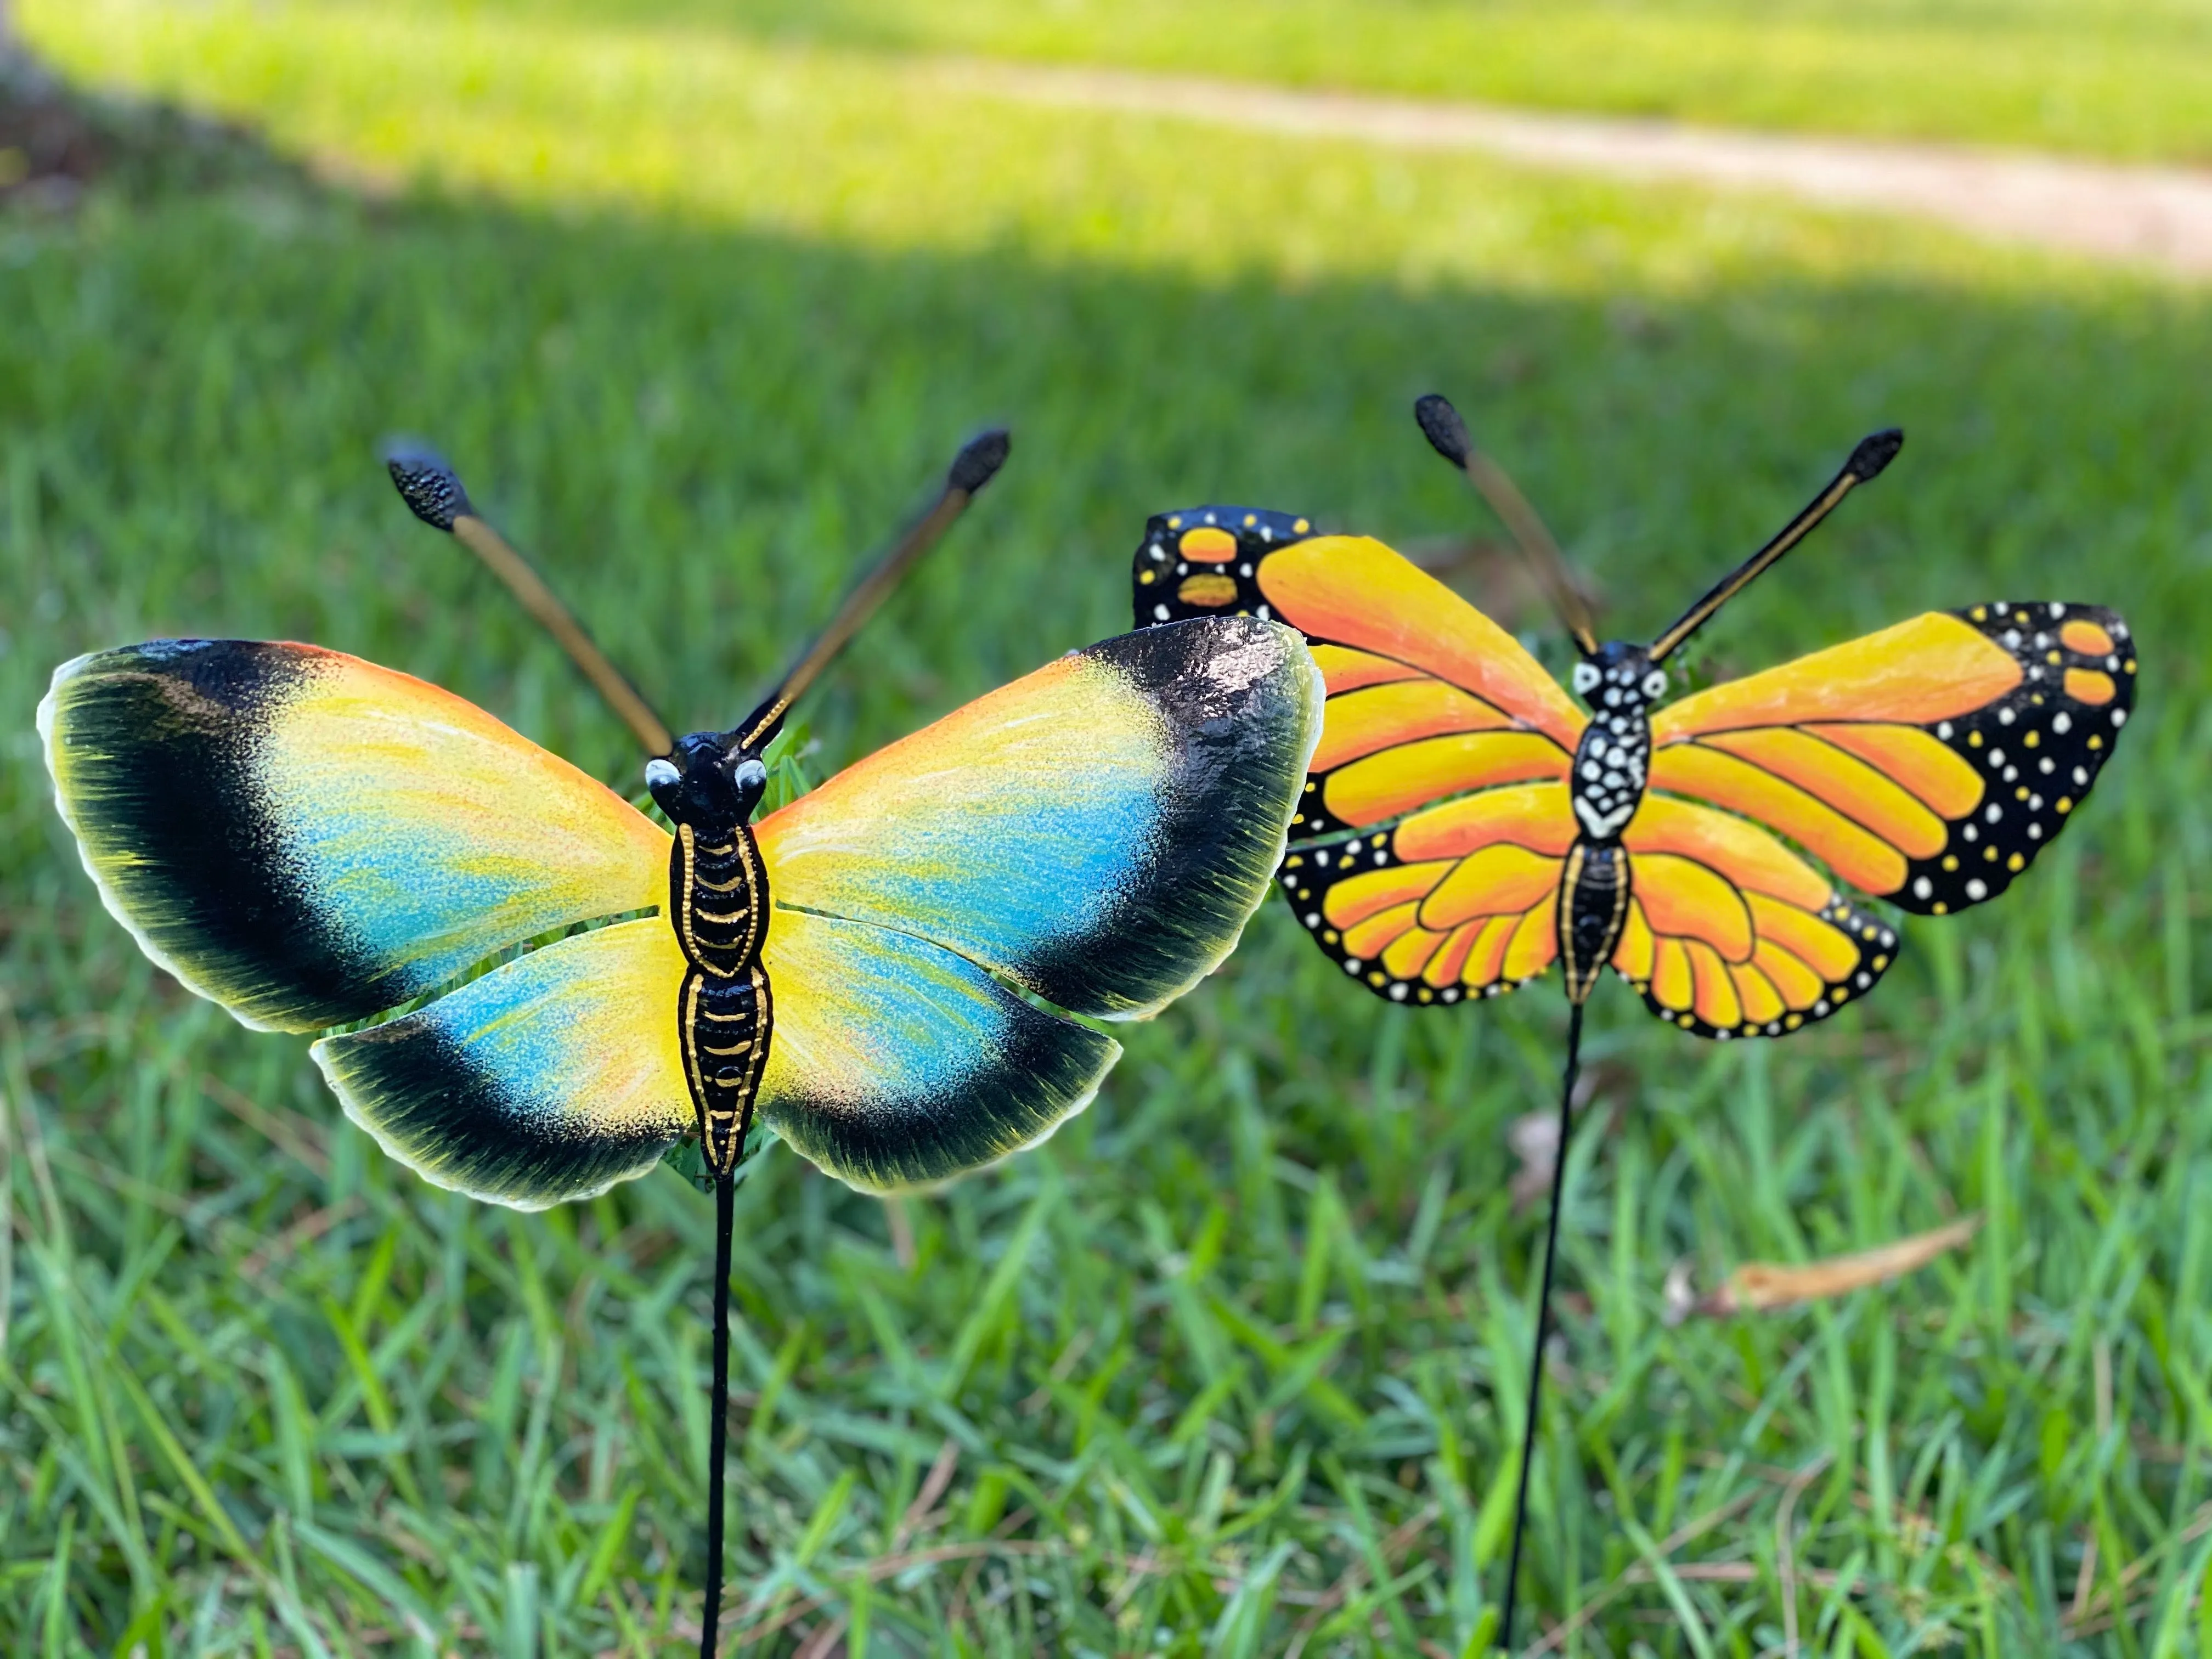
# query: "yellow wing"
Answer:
x=548 y=1079
x=1927 y=764
x=1098 y=831
x=1731 y=934
x=1460 y=899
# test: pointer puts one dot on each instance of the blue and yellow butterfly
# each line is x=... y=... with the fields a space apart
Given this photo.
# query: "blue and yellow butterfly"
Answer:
x=895 y=968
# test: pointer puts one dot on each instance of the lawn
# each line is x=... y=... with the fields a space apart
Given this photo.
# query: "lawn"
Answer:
x=1232 y=1365
x=2124 y=78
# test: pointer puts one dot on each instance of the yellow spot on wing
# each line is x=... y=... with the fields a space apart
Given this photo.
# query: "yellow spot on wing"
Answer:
x=1212 y=591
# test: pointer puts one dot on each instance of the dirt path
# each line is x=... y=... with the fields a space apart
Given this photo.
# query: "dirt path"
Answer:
x=2155 y=216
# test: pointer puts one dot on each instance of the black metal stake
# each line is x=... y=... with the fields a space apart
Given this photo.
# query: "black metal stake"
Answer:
x=1543 y=1320
x=717 y=1436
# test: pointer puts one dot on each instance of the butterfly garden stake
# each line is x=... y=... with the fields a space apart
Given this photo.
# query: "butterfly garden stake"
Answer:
x=1464 y=826
x=892 y=972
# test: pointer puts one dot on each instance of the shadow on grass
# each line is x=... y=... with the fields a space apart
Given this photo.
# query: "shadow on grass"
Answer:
x=1253 y=1304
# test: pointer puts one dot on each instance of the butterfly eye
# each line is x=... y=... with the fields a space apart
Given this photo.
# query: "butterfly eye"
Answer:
x=660 y=773
x=751 y=775
x=1655 y=683
x=1586 y=678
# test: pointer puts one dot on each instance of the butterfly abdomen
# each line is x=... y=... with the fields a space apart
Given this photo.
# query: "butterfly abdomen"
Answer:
x=718 y=904
x=1596 y=884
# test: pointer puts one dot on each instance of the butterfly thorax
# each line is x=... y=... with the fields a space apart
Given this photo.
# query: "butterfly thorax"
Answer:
x=1612 y=764
x=717 y=901
x=1614 y=757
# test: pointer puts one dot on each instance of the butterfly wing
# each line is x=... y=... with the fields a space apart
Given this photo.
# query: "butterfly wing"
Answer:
x=1445 y=744
x=1096 y=833
x=549 y=1079
x=1428 y=698
x=309 y=839
x=1729 y=933
x=896 y=1062
x=1927 y=764
x=1460 y=899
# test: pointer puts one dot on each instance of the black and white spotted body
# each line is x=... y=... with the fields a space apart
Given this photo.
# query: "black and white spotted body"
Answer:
x=1613 y=763
x=1614 y=759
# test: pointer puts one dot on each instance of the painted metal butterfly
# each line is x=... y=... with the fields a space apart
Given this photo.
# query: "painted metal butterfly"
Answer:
x=893 y=971
x=1465 y=825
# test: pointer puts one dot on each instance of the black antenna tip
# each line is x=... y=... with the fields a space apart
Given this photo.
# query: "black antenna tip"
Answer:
x=1442 y=426
x=427 y=483
x=1875 y=452
x=979 y=461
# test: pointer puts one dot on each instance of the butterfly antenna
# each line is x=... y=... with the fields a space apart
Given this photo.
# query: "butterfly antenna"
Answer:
x=432 y=490
x=1543 y=1324
x=976 y=464
x=1447 y=435
x=1874 y=453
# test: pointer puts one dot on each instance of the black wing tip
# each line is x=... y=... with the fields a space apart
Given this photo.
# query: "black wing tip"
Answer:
x=979 y=460
x=1442 y=426
x=1875 y=451
x=427 y=482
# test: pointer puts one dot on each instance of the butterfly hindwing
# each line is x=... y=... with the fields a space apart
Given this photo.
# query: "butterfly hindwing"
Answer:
x=548 y=1079
x=1927 y=764
x=1459 y=900
x=309 y=839
x=1097 y=832
x=1729 y=933
x=896 y=1062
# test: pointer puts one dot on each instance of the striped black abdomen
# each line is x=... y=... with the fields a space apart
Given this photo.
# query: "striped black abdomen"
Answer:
x=1593 y=909
x=718 y=901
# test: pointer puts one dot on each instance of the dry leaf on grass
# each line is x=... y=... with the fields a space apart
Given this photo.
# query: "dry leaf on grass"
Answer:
x=1765 y=1286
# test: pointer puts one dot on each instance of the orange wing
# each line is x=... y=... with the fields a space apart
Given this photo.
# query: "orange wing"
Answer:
x=1428 y=698
x=1427 y=856
x=1927 y=764
x=1731 y=934
x=1459 y=900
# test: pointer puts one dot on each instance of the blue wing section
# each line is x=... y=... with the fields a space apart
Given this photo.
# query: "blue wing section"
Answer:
x=896 y=1062
x=1098 y=831
x=548 y=1079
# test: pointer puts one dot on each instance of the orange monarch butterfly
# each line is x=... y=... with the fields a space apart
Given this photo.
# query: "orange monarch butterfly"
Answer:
x=895 y=969
x=1465 y=825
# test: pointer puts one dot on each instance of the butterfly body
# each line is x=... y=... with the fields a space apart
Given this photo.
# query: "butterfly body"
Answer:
x=1605 y=786
x=717 y=901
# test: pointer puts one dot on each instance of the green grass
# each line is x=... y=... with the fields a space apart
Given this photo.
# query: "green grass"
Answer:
x=1234 y=1361
x=2125 y=78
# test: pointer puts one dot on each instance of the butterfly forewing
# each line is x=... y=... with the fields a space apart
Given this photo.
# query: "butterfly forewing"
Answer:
x=1927 y=764
x=1098 y=831
x=309 y=840
x=1428 y=698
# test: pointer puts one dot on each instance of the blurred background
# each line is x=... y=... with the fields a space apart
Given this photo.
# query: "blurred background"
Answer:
x=700 y=297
